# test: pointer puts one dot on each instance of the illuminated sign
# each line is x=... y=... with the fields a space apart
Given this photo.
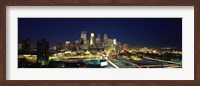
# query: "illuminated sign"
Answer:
x=104 y=63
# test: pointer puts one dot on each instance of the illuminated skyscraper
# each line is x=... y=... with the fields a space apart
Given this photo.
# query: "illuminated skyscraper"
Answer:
x=84 y=37
x=105 y=40
x=42 y=52
x=115 y=41
x=92 y=39
x=119 y=46
x=98 y=41
x=114 y=44
x=111 y=44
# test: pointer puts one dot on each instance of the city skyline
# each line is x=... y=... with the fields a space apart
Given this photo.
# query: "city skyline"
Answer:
x=100 y=43
x=150 y=32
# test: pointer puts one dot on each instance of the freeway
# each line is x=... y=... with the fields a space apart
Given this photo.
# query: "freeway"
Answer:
x=144 y=63
x=163 y=61
x=165 y=65
x=114 y=65
x=121 y=63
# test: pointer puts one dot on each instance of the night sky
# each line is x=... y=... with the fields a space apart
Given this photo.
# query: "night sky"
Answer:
x=138 y=32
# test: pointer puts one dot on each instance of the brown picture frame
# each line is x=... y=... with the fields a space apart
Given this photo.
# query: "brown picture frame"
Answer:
x=4 y=82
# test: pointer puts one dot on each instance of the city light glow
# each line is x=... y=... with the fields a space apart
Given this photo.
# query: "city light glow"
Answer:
x=100 y=43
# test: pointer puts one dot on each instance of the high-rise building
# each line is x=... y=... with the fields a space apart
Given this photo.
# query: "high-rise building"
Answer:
x=111 y=44
x=67 y=43
x=72 y=46
x=105 y=41
x=79 y=44
x=119 y=46
x=92 y=39
x=114 y=41
x=43 y=52
x=84 y=37
x=26 y=46
x=114 y=44
x=98 y=41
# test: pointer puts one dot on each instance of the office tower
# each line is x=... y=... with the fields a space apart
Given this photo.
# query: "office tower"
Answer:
x=72 y=46
x=98 y=41
x=84 y=37
x=119 y=46
x=26 y=46
x=114 y=44
x=114 y=41
x=111 y=44
x=92 y=39
x=67 y=43
x=105 y=40
x=42 y=52
x=79 y=44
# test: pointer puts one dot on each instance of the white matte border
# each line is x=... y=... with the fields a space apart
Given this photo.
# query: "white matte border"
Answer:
x=184 y=12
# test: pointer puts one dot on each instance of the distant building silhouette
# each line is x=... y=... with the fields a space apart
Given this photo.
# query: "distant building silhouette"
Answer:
x=43 y=52
x=67 y=43
x=26 y=46
x=72 y=46
x=98 y=41
x=84 y=37
x=105 y=41
x=119 y=46
x=59 y=46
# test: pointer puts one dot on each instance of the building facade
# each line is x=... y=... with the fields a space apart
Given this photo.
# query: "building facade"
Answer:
x=84 y=37
x=92 y=39
x=42 y=52
x=26 y=46
x=98 y=41
x=105 y=41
